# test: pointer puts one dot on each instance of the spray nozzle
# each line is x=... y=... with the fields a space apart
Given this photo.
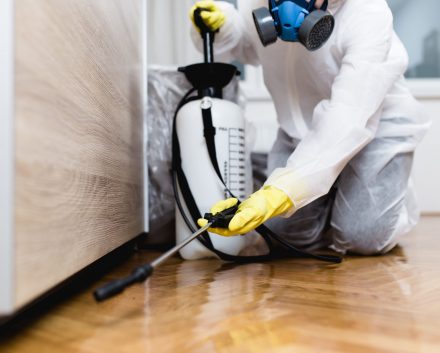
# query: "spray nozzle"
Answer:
x=221 y=219
x=117 y=286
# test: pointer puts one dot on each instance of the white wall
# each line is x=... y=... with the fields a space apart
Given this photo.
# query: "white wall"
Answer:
x=413 y=22
x=168 y=33
x=427 y=162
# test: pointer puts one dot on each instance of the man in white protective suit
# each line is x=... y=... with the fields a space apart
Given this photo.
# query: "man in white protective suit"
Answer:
x=340 y=167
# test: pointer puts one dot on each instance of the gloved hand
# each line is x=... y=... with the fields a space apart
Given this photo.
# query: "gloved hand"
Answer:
x=266 y=203
x=212 y=15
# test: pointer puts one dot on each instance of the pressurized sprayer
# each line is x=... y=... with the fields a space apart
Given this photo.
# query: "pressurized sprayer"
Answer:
x=209 y=153
x=208 y=164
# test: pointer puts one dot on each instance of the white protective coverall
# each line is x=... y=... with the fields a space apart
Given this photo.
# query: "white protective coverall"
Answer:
x=348 y=126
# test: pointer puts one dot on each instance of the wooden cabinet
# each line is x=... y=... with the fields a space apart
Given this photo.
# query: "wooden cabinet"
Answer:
x=72 y=97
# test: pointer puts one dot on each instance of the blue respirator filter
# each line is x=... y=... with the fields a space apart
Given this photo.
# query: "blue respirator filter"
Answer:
x=294 y=21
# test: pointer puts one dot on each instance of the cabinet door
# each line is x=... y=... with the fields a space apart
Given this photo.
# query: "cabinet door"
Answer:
x=79 y=80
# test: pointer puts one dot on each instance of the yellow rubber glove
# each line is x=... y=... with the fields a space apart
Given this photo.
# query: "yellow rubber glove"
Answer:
x=212 y=16
x=266 y=203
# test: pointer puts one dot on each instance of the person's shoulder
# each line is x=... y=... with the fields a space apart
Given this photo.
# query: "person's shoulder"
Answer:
x=362 y=7
x=250 y=5
x=365 y=13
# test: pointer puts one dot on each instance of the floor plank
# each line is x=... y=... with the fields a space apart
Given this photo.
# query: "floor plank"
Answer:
x=366 y=304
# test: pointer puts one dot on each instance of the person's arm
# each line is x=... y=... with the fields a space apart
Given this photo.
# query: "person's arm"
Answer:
x=232 y=41
x=345 y=123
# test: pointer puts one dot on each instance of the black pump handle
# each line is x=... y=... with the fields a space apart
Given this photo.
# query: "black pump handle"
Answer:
x=207 y=35
x=198 y=20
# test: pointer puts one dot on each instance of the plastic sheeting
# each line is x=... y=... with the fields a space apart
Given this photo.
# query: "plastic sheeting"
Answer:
x=166 y=87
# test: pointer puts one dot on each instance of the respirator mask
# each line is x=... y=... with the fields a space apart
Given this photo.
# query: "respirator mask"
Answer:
x=294 y=21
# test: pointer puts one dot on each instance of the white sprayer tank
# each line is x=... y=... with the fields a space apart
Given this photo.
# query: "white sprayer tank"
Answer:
x=203 y=181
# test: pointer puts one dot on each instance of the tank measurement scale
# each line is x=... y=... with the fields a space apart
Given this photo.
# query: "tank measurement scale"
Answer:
x=234 y=166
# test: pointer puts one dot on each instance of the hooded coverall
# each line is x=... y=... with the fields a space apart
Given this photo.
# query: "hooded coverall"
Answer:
x=348 y=126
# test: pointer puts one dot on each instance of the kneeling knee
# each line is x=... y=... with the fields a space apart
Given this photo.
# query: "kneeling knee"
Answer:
x=366 y=238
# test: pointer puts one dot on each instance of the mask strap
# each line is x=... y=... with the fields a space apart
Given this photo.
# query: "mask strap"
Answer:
x=310 y=6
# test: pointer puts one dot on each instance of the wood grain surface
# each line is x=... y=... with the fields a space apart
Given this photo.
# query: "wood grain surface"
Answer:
x=366 y=304
x=78 y=135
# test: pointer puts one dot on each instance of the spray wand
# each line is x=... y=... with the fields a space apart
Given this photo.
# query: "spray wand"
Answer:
x=141 y=273
x=208 y=76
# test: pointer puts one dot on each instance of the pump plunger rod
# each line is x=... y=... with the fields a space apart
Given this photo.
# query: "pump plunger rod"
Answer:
x=208 y=48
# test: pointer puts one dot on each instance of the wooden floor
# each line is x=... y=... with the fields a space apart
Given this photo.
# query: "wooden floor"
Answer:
x=366 y=304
